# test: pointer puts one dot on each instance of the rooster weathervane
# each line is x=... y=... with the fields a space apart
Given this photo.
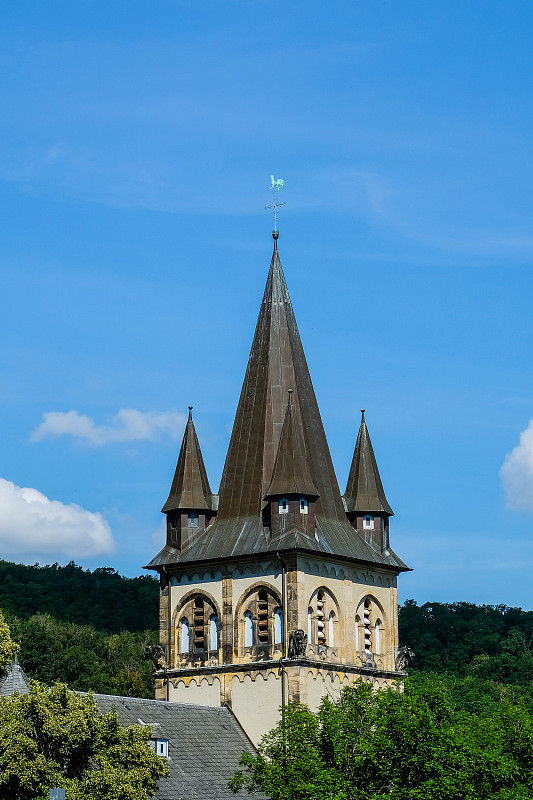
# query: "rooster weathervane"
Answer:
x=275 y=185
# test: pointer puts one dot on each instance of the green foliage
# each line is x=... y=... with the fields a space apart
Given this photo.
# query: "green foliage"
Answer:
x=54 y=737
x=400 y=745
x=84 y=658
x=490 y=642
x=102 y=598
x=8 y=648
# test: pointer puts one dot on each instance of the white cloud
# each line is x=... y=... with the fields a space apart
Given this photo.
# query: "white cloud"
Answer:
x=517 y=473
x=129 y=425
x=31 y=523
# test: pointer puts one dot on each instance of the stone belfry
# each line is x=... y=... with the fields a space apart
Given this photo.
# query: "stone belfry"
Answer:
x=278 y=588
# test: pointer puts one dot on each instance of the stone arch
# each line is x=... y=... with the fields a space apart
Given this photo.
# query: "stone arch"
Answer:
x=186 y=609
x=321 y=605
x=373 y=599
x=372 y=623
x=187 y=597
x=262 y=610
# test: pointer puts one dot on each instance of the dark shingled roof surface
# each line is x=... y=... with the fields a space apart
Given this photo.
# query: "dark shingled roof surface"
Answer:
x=204 y=745
x=190 y=487
x=276 y=364
x=291 y=470
x=364 y=490
x=16 y=680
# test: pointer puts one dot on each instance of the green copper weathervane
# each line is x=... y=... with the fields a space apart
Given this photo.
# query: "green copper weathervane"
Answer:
x=275 y=185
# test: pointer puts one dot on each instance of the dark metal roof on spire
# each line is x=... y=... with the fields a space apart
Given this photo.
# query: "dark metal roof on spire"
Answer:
x=364 y=490
x=291 y=470
x=190 y=487
x=276 y=364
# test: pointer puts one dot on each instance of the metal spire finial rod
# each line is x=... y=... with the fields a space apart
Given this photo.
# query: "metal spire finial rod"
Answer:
x=275 y=185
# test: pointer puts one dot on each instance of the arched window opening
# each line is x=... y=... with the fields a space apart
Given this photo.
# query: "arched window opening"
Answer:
x=377 y=626
x=262 y=617
x=278 y=626
x=283 y=506
x=184 y=637
x=309 y=625
x=192 y=520
x=331 y=622
x=199 y=622
x=321 y=633
x=248 y=629
x=213 y=632
x=366 y=628
x=368 y=522
x=304 y=506
x=357 y=624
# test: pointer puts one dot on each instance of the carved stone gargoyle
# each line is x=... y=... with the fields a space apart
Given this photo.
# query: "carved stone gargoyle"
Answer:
x=297 y=643
x=157 y=654
x=403 y=657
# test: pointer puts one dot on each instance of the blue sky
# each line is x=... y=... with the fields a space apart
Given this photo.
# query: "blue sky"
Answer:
x=136 y=144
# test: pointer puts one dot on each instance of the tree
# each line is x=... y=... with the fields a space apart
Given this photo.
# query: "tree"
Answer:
x=8 y=648
x=398 y=745
x=54 y=737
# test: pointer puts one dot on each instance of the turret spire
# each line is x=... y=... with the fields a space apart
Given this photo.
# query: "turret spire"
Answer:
x=190 y=487
x=364 y=490
x=291 y=471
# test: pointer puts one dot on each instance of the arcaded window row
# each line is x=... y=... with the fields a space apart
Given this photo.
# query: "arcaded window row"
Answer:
x=259 y=623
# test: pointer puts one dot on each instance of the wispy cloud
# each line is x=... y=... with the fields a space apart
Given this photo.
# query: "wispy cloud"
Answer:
x=517 y=473
x=32 y=523
x=128 y=425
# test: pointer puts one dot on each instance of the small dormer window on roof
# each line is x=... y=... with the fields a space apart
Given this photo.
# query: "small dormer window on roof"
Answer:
x=304 y=505
x=283 y=506
x=159 y=746
x=368 y=522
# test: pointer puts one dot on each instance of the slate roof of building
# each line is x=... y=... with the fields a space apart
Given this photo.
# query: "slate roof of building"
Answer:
x=16 y=680
x=190 y=486
x=204 y=745
x=276 y=364
x=364 y=490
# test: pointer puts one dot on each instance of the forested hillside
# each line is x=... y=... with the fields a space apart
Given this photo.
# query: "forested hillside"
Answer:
x=489 y=642
x=84 y=628
x=88 y=629
x=102 y=598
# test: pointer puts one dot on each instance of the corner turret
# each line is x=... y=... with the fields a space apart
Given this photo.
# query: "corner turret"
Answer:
x=190 y=504
x=366 y=506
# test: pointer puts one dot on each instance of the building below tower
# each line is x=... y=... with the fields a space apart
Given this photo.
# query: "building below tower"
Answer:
x=279 y=588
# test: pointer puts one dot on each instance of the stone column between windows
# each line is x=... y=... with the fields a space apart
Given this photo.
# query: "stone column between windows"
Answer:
x=226 y=637
x=293 y=590
x=347 y=624
x=391 y=637
x=164 y=611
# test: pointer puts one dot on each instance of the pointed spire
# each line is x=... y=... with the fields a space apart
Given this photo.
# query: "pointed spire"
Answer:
x=190 y=487
x=15 y=680
x=291 y=470
x=276 y=363
x=364 y=490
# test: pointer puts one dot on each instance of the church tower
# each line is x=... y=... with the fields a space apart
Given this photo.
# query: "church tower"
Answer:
x=278 y=589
